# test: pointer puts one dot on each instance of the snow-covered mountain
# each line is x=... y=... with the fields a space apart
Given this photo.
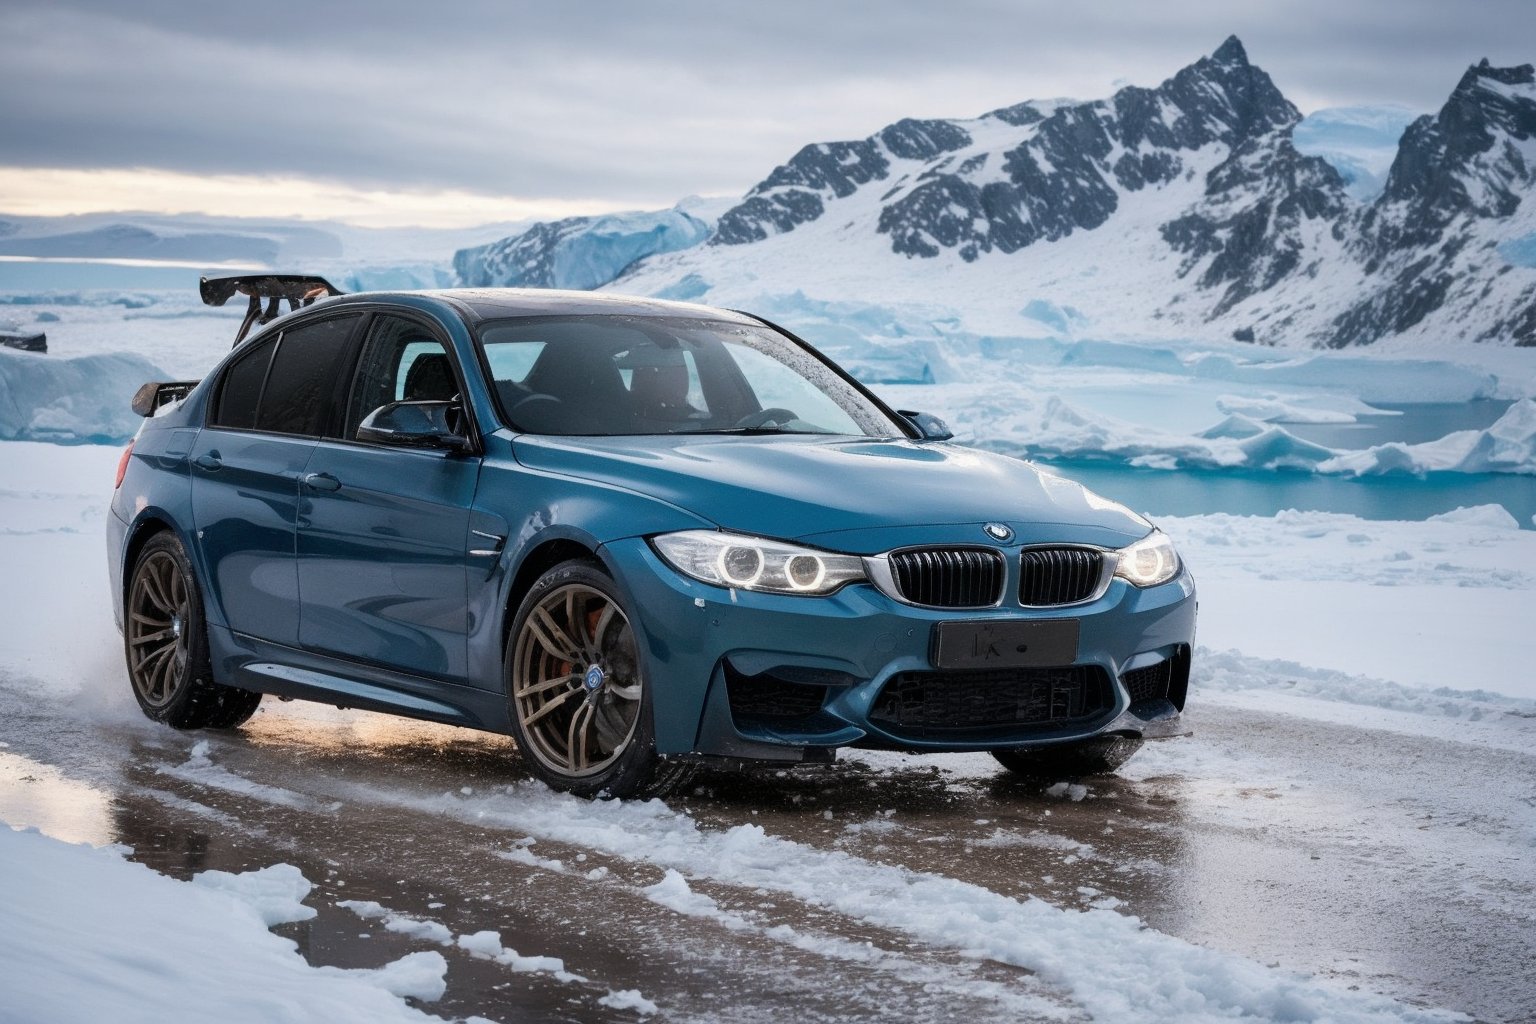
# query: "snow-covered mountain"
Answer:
x=1181 y=210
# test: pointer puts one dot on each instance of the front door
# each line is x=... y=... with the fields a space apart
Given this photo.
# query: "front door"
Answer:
x=383 y=532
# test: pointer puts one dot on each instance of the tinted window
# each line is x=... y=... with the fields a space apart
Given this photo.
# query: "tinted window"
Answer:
x=240 y=392
x=402 y=362
x=301 y=389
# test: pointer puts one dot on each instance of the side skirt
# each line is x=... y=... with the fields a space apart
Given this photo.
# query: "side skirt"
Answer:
x=260 y=665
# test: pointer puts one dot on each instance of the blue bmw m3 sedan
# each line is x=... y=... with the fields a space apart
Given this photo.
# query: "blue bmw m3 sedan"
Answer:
x=636 y=535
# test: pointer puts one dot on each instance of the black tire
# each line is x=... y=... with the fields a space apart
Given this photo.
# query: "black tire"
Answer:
x=578 y=696
x=1099 y=756
x=165 y=645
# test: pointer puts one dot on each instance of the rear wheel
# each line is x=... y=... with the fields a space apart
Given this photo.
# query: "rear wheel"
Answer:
x=581 y=703
x=1098 y=756
x=165 y=640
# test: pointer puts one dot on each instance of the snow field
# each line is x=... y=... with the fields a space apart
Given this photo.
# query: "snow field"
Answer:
x=92 y=937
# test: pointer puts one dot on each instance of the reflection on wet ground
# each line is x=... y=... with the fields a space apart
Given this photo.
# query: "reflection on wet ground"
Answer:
x=1322 y=871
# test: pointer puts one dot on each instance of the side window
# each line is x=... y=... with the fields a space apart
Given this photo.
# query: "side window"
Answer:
x=401 y=362
x=240 y=391
x=301 y=387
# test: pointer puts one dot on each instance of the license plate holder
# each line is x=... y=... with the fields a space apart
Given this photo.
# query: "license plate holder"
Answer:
x=1006 y=643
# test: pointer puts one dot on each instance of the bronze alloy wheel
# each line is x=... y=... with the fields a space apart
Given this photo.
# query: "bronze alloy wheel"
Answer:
x=576 y=682
x=166 y=644
x=159 y=629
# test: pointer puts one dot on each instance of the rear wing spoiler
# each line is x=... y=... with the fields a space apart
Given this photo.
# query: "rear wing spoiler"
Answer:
x=298 y=289
x=150 y=397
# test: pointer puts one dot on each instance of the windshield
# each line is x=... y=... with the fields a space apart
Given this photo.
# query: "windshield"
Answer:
x=607 y=375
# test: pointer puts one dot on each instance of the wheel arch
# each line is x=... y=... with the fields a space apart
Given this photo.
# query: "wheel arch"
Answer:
x=145 y=527
x=539 y=559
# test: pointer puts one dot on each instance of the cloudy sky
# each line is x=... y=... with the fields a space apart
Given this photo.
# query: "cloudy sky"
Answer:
x=475 y=110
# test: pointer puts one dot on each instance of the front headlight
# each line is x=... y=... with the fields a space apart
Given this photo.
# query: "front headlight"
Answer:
x=753 y=563
x=1149 y=561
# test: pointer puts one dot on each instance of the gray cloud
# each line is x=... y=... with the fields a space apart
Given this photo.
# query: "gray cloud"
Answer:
x=643 y=102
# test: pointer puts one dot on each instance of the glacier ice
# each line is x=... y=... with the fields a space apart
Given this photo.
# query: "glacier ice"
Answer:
x=578 y=252
x=81 y=400
x=1360 y=143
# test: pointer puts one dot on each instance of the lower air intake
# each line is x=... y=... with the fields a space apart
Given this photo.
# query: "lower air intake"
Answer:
x=930 y=704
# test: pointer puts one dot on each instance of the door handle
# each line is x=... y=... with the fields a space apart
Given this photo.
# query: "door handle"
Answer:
x=209 y=461
x=321 y=482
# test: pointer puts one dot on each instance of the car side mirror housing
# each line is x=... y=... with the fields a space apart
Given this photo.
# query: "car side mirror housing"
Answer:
x=929 y=426
x=415 y=425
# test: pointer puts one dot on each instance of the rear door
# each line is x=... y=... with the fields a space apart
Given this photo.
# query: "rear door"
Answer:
x=264 y=422
x=383 y=535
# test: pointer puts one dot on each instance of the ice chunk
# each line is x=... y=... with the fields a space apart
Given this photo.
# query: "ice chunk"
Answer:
x=421 y=976
x=276 y=892
x=628 y=999
x=1495 y=517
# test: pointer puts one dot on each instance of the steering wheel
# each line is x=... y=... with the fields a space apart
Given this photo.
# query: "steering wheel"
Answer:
x=763 y=417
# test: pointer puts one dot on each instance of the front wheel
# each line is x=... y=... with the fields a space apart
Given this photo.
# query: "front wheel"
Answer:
x=165 y=641
x=580 y=700
x=1098 y=756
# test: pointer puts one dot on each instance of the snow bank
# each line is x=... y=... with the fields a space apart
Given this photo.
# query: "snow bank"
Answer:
x=80 y=400
x=74 y=948
x=1234 y=672
x=1436 y=606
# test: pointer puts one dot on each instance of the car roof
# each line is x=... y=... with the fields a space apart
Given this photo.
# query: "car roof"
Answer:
x=481 y=304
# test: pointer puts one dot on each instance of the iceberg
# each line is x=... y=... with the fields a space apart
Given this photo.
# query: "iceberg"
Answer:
x=1509 y=446
x=83 y=400
x=578 y=252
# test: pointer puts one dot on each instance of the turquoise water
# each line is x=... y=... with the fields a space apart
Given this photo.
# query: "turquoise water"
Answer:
x=1263 y=493
x=1414 y=424
x=1192 y=492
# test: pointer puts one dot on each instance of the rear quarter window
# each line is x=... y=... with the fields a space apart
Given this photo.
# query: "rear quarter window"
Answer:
x=240 y=390
x=300 y=395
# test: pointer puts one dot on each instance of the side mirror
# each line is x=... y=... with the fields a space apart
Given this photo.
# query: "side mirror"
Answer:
x=415 y=425
x=929 y=426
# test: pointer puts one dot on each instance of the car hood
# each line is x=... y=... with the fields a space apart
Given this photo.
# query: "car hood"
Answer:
x=855 y=494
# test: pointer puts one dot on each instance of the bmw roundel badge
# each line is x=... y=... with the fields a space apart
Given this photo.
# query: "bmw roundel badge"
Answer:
x=998 y=532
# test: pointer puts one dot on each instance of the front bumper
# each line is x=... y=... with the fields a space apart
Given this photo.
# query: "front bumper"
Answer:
x=832 y=658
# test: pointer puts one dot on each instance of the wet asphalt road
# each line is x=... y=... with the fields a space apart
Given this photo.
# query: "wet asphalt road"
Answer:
x=1392 y=862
